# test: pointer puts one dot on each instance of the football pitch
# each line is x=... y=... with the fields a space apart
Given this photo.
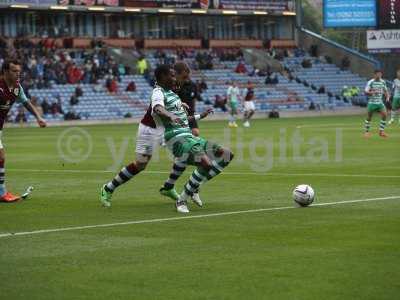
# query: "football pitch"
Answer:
x=247 y=242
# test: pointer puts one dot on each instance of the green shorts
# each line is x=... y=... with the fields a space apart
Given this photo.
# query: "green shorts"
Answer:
x=191 y=148
x=396 y=103
x=233 y=106
x=376 y=107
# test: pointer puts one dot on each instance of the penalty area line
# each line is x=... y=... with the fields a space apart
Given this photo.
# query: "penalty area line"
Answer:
x=202 y=216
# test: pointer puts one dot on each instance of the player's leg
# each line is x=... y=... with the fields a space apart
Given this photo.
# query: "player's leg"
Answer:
x=147 y=139
x=367 y=122
x=2 y=172
x=246 y=118
x=194 y=182
x=179 y=166
x=123 y=176
x=4 y=195
x=194 y=127
x=233 y=114
x=209 y=164
x=388 y=108
x=249 y=111
x=395 y=109
x=382 y=123
x=168 y=189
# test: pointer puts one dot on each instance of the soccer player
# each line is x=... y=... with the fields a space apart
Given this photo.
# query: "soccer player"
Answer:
x=233 y=95
x=149 y=136
x=11 y=91
x=209 y=158
x=187 y=92
x=396 y=98
x=249 y=107
x=376 y=89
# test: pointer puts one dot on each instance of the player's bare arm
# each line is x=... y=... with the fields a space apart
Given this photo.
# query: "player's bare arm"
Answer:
x=162 y=112
x=41 y=122
x=387 y=96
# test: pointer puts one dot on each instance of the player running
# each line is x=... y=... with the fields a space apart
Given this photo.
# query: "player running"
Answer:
x=11 y=91
x=149 y=137
x=396 y=98
x=210 y=159
x=233 y=95
x=376 y=89
x=249 y=107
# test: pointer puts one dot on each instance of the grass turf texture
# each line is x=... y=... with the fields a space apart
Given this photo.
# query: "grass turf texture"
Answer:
x=334 y=252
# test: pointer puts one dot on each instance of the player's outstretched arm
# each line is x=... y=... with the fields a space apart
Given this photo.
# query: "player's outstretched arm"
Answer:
x=202 y=115
x=162 y=112
x=41 y=122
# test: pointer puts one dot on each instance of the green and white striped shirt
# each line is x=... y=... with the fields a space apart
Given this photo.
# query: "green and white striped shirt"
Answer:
x=378 y=87
x=172 y=103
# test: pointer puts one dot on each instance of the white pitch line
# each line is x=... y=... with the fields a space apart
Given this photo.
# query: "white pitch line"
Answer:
x=229 y=213
x=226 y=173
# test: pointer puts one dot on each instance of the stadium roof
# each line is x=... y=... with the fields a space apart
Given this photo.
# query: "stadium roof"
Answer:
x=138 y=10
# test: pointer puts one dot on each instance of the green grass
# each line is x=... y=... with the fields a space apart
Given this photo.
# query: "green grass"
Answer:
x=348 y=251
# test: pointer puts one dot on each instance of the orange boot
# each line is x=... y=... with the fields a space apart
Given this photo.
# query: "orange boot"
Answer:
x=383 y=134
x=8 y=197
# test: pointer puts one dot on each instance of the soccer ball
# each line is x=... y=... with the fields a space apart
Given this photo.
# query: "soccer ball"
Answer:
x=303 y=195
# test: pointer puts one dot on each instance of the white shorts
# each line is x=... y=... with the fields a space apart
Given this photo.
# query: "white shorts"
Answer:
x=148 y=139
x=1 y=143
x=249 y=105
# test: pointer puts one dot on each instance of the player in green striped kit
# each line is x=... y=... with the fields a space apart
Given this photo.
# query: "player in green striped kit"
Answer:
x=376 y=89
x=396 y=98
x=168 y=112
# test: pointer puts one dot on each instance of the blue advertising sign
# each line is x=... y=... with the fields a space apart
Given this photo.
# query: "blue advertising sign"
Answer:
x=350 y=13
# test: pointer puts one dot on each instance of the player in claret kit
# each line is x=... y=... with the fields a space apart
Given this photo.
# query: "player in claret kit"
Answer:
x=376 y=90
x=11 y=91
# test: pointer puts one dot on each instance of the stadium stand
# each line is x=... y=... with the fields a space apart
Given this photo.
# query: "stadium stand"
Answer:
x=316 y=86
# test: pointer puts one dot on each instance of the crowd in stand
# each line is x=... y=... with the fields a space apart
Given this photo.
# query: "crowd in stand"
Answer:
x=45 y=65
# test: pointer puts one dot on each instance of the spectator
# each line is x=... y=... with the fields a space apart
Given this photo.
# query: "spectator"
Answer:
x=131 y=87
x=97 y=87
x=78 y=91
x=112 y=85
x=73 y=100
x=45 y=106
x=345 y=63
x=71 y=115
x=314 y=50
x=321 y=90
x=21 y=116
x=142 y=66
x=241 y=68
x=355 y=91
x=275 y=80
x=273 y=114
x=220 y=103
x=56 y=108
x=203 y=85
x=268 y=79
x=74 y=74
x=306 y=63
x=312 y=106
